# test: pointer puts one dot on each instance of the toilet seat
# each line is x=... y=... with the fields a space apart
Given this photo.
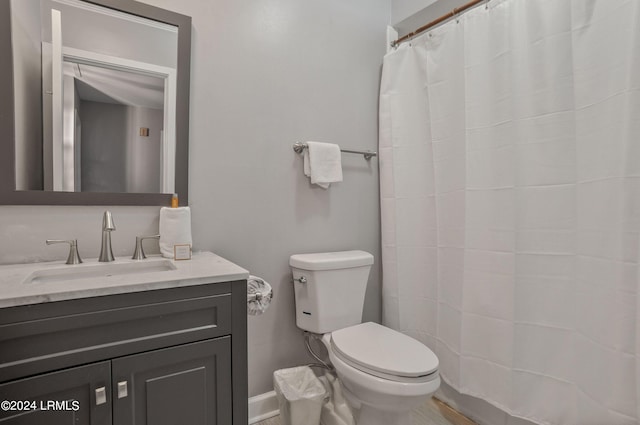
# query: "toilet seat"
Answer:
x=385 y=353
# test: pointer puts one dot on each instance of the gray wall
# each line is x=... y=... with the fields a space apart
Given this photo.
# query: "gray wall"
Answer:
x=143 y=152
x=28 y=97
x=402 y=9
x=23 y=230
x=265 y=74
x=115 y=158
x=104 y=146
x=409 y=15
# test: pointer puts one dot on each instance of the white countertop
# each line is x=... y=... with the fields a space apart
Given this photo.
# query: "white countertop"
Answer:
x=204 y=267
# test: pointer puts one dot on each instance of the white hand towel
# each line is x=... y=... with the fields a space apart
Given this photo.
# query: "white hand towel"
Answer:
x=175 y=229
x=323 y=163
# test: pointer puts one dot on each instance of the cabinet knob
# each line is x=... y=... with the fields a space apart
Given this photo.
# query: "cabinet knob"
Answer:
x=101 y=396
x=122 y=389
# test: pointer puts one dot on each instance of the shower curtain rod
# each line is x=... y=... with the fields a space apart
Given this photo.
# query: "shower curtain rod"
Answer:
x=456 y=11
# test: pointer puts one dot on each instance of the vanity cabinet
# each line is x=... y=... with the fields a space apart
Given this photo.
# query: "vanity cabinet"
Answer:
x=166 y=356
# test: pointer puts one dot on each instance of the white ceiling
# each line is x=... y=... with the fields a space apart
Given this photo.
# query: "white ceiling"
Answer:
x=106 y=85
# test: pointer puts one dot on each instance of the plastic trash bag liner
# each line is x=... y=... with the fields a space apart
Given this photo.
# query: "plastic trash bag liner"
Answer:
x=300 y=395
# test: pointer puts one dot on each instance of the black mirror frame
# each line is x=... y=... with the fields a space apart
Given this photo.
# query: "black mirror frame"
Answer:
x=10 y=196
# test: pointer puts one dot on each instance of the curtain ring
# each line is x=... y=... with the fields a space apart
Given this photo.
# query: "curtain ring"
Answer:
x=456 y=15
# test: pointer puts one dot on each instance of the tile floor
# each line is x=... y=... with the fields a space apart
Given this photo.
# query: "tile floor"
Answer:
x=432 y=412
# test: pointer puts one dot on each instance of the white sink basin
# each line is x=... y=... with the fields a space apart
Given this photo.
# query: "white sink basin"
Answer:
x=92 y=271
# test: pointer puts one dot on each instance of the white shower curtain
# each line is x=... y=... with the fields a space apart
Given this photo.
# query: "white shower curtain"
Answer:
x=510 y=198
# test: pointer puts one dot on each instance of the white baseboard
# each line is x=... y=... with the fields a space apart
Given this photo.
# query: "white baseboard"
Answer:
x=263 y=406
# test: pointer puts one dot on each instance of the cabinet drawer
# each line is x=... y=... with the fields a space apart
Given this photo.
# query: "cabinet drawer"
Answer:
x=111 y=329
x=67 y=386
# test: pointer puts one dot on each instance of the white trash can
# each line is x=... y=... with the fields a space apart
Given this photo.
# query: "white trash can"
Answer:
x=300 y=395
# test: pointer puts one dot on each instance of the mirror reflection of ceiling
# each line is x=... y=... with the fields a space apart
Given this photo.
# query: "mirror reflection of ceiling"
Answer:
x=94 y=28
x=104 y=85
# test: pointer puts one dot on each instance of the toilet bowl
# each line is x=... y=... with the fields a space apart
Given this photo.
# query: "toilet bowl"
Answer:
x=384 y=373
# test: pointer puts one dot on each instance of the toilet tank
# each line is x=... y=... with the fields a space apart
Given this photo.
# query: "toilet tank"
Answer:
x=333 y=296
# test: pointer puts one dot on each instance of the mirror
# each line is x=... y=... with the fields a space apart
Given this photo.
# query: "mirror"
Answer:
x=99 y=103
x=113 y=135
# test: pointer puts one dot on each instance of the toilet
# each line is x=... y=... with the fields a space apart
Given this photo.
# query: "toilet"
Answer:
x=384 y=373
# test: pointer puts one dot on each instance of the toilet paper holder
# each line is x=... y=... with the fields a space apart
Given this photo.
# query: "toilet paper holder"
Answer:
x=257 y=296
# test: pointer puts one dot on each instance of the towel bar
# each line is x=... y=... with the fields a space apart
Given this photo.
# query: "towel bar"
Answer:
x=300 y=147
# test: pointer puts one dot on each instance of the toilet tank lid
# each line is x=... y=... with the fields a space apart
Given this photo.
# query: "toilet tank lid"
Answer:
x=331 y=260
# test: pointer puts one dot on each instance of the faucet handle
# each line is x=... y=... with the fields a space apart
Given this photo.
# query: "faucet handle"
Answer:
x=74 y=255
x=138 y=254
x=107 y=222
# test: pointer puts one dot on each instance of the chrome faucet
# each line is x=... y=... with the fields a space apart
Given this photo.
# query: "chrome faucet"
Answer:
x=106 y=253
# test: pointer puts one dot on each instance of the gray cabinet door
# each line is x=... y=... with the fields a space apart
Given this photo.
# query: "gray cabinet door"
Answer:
x=185 y=385
x=67 y=397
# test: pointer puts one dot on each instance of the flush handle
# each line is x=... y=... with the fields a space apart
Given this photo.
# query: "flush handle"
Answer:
x=300 y=279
